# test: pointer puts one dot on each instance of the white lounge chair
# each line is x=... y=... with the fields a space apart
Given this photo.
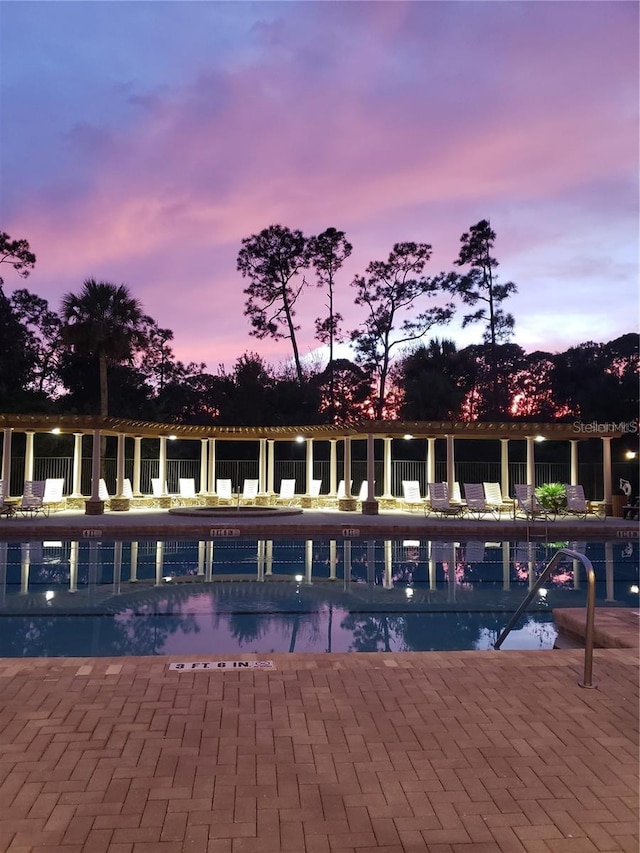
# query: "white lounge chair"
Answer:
x=440 y=503
x=364 y=491
x=493 y=497
x=577 y=504
x=342 y=491
x=250 y=491
x=158 y=488
x=187 y=490
x=314 y=490
x=527 y=504
x=411 y=496
x=476 y=503
x=54 y=493
x=224 y=491
x=32 y=502
x=287 y=492
x=103 y=492
x=7 y=508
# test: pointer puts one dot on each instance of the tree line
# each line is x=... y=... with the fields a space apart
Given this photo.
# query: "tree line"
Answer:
x=102 y=353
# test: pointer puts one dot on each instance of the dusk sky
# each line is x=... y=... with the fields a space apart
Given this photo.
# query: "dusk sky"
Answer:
x=141 y=141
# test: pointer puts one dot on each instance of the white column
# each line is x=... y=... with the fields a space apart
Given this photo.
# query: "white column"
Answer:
x=387 y=578
x=308 y=562
x=95 y=466
x=262 y=466
x=137 y=456
x=212 y=466
x=333 y=559
x=504 y=467
x=606 y=469
x=308 y=470
x=608 y=572
x=451 y=464
x=271 y=465
x=77 y=465
x=120 y=465
x=159 y=562
x=531 y=462
x=347 y=466
x=28 y=457
x=117 y=567
x=386 y=486
x=431 y=460
x=203 y=467
x=333 y=467
x=574 y=462
x=74 y=551
x=6 y=460
x=133 y=575
x=371 y=467
x=506 y=566
x=162 y=464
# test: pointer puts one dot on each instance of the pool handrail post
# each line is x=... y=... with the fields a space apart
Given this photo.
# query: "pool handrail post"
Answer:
x=591 y=606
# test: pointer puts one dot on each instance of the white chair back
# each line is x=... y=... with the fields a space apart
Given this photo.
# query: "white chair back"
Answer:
x=33 y=494
x=157 y=487
x=493 y=494
x=250 y=489
x=411 y=492
x=363 y=494
x=287 y=490
x=342 y=492
x=474 y=496
x=53 y=490
x=187 y=487
x=224 y=489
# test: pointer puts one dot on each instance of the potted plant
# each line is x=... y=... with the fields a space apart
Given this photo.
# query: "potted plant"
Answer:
x=552 y=496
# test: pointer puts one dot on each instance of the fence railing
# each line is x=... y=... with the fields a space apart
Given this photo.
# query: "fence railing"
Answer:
x=589 y=474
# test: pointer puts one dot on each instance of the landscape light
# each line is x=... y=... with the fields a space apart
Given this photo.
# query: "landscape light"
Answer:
x=49 y=594
x=409 y=592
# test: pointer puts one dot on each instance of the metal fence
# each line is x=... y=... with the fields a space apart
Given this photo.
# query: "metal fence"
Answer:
x=590 y=475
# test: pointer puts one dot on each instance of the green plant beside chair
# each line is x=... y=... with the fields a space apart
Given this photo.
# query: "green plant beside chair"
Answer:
x=552 y=496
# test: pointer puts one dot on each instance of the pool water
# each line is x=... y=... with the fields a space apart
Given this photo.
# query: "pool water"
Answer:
x=100 y=598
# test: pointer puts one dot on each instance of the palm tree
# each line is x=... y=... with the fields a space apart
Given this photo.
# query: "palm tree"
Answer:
x=104 y=321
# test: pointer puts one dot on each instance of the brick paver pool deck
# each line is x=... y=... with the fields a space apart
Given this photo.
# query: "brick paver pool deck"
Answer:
x=455 y=751
x=445 y=752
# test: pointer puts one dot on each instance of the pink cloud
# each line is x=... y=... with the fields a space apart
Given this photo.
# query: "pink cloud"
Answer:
x=391 y=123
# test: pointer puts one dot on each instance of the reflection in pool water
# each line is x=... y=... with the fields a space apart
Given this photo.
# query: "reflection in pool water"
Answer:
x=97 y=598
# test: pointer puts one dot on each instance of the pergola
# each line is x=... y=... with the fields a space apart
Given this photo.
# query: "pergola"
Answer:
x=208 y=435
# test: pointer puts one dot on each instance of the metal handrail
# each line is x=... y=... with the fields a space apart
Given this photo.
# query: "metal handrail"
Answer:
x=591 y=606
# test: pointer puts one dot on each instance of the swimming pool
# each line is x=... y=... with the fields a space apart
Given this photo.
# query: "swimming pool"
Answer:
x=103 y=598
